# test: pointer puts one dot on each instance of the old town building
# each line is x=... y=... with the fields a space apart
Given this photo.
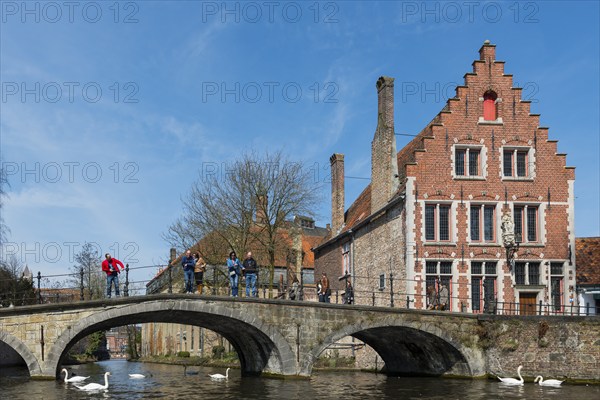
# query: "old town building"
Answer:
x=475 y=214
x=293 y=259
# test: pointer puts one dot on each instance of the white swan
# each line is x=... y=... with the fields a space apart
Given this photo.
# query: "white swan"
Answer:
x=96 y=386
x=220 y=376
x=136 y=376
x=547 y=382
x=73 y=378
x=513 y=381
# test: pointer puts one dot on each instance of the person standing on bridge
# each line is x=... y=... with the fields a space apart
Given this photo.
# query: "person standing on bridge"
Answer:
x=325 y=293
x=111 y=267
x=234 y=268
x=188 y=263
x=199 y=269
x=250 y=269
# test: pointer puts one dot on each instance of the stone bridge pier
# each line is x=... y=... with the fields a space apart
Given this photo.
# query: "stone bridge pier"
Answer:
x=270 y=336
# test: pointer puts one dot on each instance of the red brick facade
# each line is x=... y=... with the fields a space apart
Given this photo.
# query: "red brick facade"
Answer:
x=484 y=156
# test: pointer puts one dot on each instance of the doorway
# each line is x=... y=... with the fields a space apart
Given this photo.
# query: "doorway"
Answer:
x=527 y=303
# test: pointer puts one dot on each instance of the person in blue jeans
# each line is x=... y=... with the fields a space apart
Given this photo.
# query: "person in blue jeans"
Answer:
x=234 y=268
x=250 y=269
x=188 y=263
x=111 y=267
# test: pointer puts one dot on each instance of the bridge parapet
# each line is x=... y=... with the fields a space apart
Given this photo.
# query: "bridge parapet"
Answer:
x=285 y=338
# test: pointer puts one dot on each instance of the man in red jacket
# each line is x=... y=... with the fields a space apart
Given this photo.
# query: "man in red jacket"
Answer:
x=111 y=267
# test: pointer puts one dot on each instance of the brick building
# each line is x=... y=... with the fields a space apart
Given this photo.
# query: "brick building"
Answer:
x=587 y=251
x=478 y=206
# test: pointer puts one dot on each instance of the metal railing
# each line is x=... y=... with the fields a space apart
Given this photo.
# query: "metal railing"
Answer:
x=216 y=282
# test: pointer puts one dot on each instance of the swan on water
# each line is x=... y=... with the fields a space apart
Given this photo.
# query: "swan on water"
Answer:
x=73 y=378
x=136 y=376
x=513 y=381
x=220 y=376
x=547 y=382
x=96 y=386
x=186 y=372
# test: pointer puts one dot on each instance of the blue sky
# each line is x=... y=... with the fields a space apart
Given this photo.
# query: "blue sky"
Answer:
x=109 y=113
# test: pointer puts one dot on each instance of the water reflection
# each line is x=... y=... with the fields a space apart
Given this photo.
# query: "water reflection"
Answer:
x=172 y=382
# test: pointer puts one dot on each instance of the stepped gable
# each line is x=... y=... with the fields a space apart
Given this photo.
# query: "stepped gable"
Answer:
x=461 y=122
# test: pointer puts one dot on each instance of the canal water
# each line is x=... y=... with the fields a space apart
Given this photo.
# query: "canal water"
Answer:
x=170 y=382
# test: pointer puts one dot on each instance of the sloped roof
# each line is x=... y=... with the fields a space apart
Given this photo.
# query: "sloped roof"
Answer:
x=311 y=237
x=587 y=255
x=361 y=207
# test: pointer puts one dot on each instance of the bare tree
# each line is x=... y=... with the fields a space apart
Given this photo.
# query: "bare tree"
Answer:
x=245 y=207
x=93 y=281
x=3 y=184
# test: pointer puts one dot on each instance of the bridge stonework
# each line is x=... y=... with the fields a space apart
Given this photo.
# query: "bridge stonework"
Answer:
x=285 y=338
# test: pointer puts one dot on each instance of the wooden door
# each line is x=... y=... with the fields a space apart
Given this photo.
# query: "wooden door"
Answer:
x=527 y=304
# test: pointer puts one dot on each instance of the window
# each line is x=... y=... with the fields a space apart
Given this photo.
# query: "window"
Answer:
x=489 y=106
x=467 y=162
x=437 y=222
x=516 y=163
x=556 y=286
x=483 y=285
x=527 y=273
x=438 y=284
x=482 y=223
x=381 y=281
x=346 y=258
x=526 y=223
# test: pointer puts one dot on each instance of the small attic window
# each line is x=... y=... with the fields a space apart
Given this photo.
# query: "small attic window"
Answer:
x=304 y=222
x=489 y=106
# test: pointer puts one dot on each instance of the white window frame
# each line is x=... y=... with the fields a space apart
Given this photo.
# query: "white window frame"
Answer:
x=482 y=169
x=529 y=163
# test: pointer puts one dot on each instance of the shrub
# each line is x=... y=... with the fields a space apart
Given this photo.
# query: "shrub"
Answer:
x=185 y=354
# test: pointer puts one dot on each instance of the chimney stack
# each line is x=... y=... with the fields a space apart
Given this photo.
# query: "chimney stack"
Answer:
x=384 y=162
x=337 y=192
x=261 y=209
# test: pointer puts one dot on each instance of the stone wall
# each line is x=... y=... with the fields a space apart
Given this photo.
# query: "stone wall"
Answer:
x=557 y=347
x=374 y=257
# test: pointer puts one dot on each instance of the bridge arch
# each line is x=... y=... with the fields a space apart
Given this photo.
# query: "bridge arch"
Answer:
x=409 y=348
x=260 y=347
x=22 y=350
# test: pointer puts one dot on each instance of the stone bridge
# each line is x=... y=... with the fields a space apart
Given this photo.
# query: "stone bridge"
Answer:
x=285 y=338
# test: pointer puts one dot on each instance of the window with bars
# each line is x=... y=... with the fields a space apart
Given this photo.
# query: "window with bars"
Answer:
x=534 y=273
x=346 y=258
x=381 y=281
x=520 y=273
x=483 y=284
x=437 y=222
x=467 y=162
x=556 y=286
x=526 y=223
x=482 y=223
x=527 y=273
x=516 y=163
x=438 y=283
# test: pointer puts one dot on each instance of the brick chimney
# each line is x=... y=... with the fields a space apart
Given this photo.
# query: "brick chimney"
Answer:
x=337 y=192
x=261 y=209
x=384 y=162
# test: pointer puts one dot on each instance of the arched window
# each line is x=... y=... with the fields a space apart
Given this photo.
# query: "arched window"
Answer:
x=489 y=106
